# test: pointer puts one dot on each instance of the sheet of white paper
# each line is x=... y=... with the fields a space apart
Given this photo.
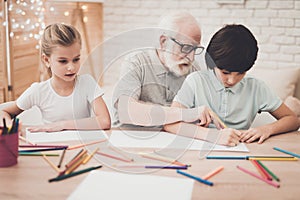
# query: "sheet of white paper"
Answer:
x=164 y=140
x=115 y=186
x=61 y=136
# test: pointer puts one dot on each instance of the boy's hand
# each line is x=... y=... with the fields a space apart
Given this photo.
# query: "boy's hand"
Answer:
x=229 y=137
x=252 y=134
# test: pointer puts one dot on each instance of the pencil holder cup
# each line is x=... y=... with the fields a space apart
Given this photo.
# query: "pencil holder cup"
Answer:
x=9 y=144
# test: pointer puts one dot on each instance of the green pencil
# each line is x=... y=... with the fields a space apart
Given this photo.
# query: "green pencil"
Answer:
x=62 y=177
x=271 y=173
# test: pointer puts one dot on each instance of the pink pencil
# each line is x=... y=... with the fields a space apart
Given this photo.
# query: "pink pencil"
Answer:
x=113 y=157
x=86 y=144
x=259 y=177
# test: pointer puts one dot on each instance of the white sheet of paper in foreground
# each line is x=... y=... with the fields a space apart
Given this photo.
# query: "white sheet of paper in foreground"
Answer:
x=61 y=136
x=116 y=186
x=164 y=140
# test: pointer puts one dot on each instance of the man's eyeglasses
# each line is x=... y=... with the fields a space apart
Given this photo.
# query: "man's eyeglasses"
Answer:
x=187 y=48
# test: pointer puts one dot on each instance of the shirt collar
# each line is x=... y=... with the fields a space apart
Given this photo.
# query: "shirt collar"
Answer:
x=158 y=67
x=220 y=87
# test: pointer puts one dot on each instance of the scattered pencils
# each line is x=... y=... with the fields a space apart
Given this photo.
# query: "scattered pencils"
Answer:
x=270 y=172
x=258 y=177
x=287 y=152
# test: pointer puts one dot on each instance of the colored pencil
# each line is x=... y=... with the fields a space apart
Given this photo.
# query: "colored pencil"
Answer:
x=227 y=157
x=76 y=164
x=121 y=153
x=76 y=158
x=287 y=152
x=162 y=158
x=37 y=154
x=86 y=144
x=112 y=156
x=258 y=177
x=62 y=177
x=51 y=164
x=261 y=170
x=90 y=156
x=269 y=171
x=152 y=166
x=212 y=173
x=274 y=158
x=25 y=140
x=165 y=167
x=215 y=116
x=61 y=158
x=196 y=178
x=43 y=149
x=42 y=146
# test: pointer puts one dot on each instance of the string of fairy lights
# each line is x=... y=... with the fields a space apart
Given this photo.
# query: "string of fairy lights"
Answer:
x=27 y=18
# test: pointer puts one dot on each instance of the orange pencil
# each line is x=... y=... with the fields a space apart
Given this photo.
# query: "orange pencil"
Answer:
x=76 y=158
x=86 y=144
x=212 y=173
x=215 y=116
x=76 y=164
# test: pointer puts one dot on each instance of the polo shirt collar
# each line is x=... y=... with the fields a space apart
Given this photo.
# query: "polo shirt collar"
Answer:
x=220 y=87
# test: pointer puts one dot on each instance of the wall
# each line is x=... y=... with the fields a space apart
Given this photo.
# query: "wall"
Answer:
x=276 y=24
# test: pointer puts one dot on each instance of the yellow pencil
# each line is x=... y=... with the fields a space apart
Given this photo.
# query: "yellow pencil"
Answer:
x=215 y=116
x=90 y=156
x=212 y=173
x=274 y=159
x=51 y=164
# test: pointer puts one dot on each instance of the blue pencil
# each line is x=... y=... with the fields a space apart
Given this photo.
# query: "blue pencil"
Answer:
x=195 y=178
x=227 y=157
x=287 y=152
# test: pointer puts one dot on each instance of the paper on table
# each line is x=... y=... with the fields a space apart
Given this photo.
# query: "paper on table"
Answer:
x=70 y=135
x=164 y=140
x=113 y=185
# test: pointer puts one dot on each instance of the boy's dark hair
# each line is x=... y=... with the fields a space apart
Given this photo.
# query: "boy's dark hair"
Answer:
x=233 y=48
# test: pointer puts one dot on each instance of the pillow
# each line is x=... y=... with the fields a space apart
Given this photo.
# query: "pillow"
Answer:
x=282 y=81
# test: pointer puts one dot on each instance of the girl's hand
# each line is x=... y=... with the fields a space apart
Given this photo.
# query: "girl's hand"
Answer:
x=229 y=137
x=252 y=134
x=53 y=127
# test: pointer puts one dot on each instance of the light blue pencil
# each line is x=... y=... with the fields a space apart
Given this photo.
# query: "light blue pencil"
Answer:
x=287 y=152
x=195 y=178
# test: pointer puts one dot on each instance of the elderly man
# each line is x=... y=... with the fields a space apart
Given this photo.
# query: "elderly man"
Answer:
x=153 y=76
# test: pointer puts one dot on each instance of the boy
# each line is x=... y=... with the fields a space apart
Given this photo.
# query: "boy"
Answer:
x=236 y=99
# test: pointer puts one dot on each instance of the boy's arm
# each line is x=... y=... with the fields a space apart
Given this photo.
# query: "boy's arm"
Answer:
x=227 y=136
x=286 y=121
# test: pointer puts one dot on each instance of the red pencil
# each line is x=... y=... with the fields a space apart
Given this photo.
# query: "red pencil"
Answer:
x=261 y=170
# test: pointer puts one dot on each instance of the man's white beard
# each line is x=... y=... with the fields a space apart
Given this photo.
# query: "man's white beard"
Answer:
x=178 y=68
